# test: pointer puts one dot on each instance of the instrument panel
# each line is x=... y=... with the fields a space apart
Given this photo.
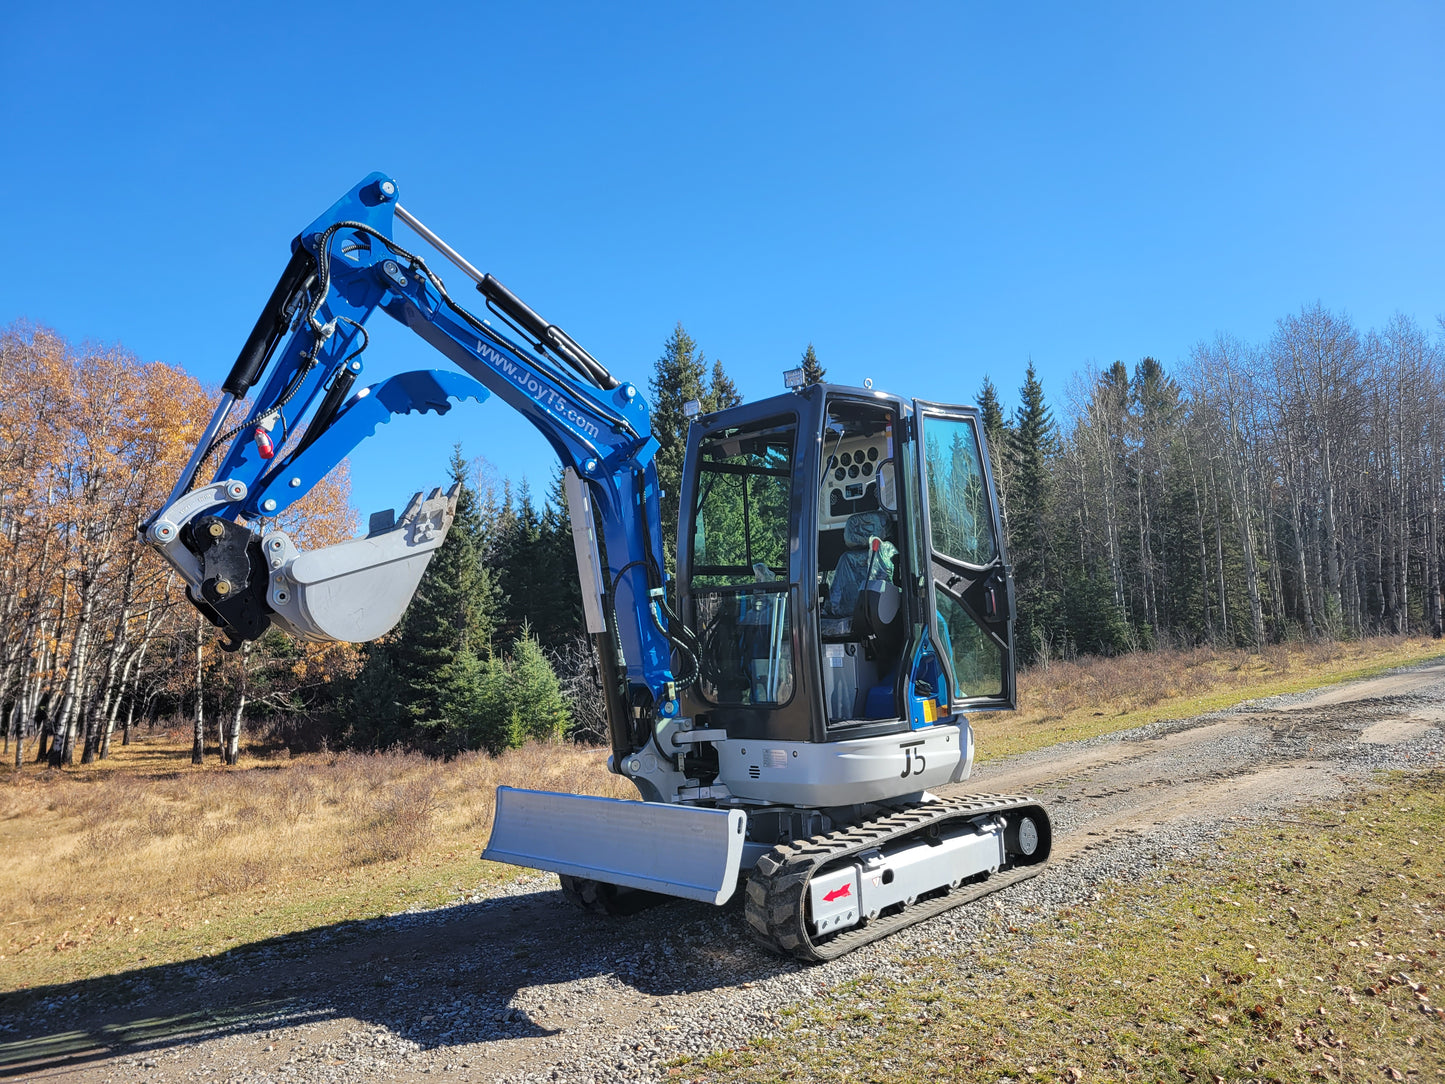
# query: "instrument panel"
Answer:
x=850 y=476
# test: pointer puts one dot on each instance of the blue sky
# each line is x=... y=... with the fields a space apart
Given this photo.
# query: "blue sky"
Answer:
x=927 y=192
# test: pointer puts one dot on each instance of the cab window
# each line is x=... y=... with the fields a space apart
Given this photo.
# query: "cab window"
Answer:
x=742 y=541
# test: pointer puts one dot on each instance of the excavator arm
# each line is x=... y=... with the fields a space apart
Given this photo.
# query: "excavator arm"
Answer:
x=304 y=362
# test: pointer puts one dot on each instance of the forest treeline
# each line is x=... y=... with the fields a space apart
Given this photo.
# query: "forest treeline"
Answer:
x=1263 y=492
x=95 y=632
x=1259 y=492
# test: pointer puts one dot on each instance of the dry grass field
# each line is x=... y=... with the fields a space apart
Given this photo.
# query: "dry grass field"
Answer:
x=146 y=859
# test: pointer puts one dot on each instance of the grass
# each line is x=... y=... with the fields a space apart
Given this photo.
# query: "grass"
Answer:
x=1315 y=951
x=144 y=860
x=1069 y=701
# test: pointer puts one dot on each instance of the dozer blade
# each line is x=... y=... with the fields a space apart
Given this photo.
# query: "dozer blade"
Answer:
x=672 y=849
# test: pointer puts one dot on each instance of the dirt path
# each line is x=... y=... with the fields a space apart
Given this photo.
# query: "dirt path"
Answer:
x=521 y=987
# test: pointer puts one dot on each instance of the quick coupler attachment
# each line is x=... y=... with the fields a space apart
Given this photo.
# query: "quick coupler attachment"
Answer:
x=232 y=590
x=243 y=583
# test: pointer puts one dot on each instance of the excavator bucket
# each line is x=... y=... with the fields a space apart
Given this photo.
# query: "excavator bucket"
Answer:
x=676 y=850
x=357 y=590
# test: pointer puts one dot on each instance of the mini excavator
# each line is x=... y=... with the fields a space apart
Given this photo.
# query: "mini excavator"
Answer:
x=785 y=704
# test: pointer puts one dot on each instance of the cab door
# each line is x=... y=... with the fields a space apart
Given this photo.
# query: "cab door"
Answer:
x=968 y=580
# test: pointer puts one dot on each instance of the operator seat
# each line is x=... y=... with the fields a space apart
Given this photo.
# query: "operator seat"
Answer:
x=866 y=568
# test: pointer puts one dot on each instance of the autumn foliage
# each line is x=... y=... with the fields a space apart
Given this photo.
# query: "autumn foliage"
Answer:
x=95 y=631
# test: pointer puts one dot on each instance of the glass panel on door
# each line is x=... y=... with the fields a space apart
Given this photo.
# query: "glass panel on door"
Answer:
x=971 y=589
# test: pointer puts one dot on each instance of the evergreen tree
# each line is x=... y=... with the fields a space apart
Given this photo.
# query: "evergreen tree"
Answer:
x=423 y=685
x=497 y=724
x=458 y=576
x=372 y=708
x=994 y=432
x=523 y=578
x=557 y=617
x=722 y=392
x=1032 y=449
x=1156 y=415
x=538 y=710
x=813 y=373
x=1094 y=621
x=676 y=379
x=518 y=699
x=503 y=522
x=992 y=411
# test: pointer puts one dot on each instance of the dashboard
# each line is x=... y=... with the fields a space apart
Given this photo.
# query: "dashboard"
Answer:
x=851 y=476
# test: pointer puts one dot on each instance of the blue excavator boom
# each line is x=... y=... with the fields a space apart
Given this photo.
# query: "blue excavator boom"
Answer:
x=308 y=407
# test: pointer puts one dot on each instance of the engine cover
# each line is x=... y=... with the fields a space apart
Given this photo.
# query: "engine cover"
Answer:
x=838 y=773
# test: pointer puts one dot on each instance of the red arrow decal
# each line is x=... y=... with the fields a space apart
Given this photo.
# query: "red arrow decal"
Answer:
x=839 y=893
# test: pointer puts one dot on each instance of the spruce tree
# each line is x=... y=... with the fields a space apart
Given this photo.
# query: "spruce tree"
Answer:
x=721 y=392
x=994 y=432
x=518 y=699
x=676 y=379
x=371 y=708
x=1156 y=415
x=992 y=411
x=422 y=686
x=524 y=580
x=1095 y=624
x=557 y=617
x=497 y=724
x=1032 y=449
x=813 y=373
x=538 y=711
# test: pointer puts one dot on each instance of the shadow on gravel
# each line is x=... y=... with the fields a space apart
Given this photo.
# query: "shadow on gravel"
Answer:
x=435 y=979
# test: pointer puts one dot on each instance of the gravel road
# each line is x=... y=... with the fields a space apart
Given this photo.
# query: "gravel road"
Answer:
x=519 y=987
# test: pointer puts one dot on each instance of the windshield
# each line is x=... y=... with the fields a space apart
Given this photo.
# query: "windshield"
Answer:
x=744 y=494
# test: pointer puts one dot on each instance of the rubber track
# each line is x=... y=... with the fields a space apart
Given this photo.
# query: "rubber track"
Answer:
x=778 y=887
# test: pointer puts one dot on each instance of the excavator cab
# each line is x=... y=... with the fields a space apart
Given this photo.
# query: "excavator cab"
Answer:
x=841 y=563
x=845 y=601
